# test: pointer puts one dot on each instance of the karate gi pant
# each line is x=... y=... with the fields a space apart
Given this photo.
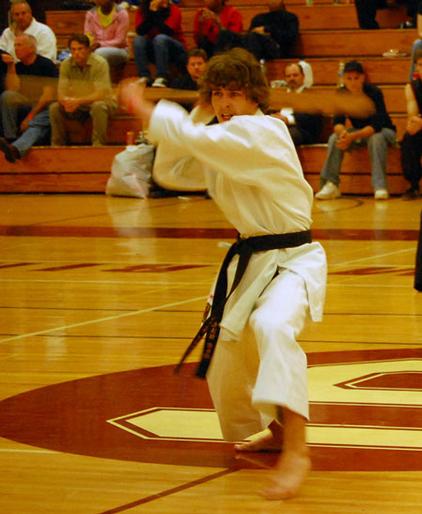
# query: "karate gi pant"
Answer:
x=251 y=378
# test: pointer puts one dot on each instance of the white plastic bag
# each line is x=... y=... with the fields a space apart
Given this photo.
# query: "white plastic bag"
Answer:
x=131 y=172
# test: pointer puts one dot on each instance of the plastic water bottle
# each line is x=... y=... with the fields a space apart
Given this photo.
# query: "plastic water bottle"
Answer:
x=263 y=67
x=340 y=74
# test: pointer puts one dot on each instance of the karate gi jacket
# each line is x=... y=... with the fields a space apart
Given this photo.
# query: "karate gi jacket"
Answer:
x=252 y=171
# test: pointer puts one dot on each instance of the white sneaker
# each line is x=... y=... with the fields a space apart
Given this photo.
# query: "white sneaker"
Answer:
x=159 y=82
x=381 y=194
x=328 y=192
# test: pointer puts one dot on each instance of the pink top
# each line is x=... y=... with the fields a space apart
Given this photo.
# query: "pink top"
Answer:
x=114 y=35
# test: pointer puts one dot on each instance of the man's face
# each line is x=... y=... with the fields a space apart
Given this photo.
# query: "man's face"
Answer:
x=354 y=81
x=80 y=53
x=294 y=77
x=418 y=67
x=213 y=5
x=196 y=67
x=229 y=102
x=274 y=5
x=23 y=48
x=21 y=15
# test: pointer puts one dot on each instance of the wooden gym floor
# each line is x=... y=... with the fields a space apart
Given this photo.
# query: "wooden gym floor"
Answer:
x=100 y=296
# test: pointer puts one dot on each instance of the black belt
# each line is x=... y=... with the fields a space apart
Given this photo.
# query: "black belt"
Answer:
x=210 y=327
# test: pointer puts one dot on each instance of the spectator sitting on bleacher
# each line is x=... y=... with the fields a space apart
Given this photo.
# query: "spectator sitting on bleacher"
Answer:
x=366 y=11
x=84 y=91
x=304 y=128
x=272 y=34
x=30 y=88
x=375 y=131
x=22 y=22
x=411 y=146
x=195 y=67
x=160 y=39
x=417 y=45
x=216 y=26
x=107 y=25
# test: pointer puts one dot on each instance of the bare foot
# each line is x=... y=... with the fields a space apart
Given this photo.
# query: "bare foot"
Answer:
x=289 y=474
x=270 y=439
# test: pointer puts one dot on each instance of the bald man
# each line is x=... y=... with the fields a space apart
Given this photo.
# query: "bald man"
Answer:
x=30 y=88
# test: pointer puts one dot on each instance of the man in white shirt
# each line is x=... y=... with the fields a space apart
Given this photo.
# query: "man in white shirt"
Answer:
x=257 y=377
x=305 y=128
x=22 y=22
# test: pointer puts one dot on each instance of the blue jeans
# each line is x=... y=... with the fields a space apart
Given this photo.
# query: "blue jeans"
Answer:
x=14 y=108
x=377 y=147
x=417 y=45
x=114 y=56
x=161 y=50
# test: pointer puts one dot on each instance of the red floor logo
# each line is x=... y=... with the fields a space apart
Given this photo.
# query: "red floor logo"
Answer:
x=366 y=414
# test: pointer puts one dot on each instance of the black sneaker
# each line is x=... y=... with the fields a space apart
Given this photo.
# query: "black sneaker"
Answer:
x=410 y=194
x=10 y=152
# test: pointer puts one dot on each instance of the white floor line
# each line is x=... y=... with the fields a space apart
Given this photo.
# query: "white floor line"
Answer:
x=377 y=256
x=100 y=320
x=106 y=282
x=19 y=450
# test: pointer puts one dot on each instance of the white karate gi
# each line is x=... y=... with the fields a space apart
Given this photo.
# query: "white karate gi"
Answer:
x=176 y=171
x=252 y=172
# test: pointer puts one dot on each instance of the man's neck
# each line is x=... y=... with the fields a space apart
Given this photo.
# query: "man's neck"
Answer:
x=27 y=61
x=107 y=8
x=21 y=30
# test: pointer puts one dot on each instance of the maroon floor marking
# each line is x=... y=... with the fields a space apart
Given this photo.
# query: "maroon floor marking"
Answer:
x=73 y=417
x=194 y=233
x=16 y=265
x=169 y=492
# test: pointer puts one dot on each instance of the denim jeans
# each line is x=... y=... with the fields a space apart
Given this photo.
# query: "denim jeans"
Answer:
x=161 y=50
x=114 y=56
x=377 y=147
x=14 y=107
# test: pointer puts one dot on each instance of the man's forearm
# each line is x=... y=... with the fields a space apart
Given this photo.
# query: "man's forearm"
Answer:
x=44 y=101
x=365 y=132
x=12 y=81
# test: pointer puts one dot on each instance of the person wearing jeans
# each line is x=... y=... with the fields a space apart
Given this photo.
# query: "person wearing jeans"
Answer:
x=375 y=131
x=107 y=25
x=160 y=39
x=24 y=104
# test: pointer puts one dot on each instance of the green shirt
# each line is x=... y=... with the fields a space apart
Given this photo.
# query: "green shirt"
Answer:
x=80 y=82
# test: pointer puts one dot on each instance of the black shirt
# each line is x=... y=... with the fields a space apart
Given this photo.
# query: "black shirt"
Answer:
x=283 y=26
x=32 y=87
x=379 y=120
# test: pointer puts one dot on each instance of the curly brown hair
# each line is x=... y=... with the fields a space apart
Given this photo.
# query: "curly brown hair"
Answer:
x=235 y=69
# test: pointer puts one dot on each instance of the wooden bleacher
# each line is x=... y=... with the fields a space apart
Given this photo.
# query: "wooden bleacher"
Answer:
x=86 y=170
x=329 y=34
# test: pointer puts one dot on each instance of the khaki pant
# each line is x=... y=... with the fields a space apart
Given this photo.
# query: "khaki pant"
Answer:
x=98 y=111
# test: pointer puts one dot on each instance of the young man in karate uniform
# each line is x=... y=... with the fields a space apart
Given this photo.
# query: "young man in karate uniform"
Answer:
x=257 y=377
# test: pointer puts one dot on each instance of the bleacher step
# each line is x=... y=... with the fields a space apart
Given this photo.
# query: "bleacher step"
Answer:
x=85 y=169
